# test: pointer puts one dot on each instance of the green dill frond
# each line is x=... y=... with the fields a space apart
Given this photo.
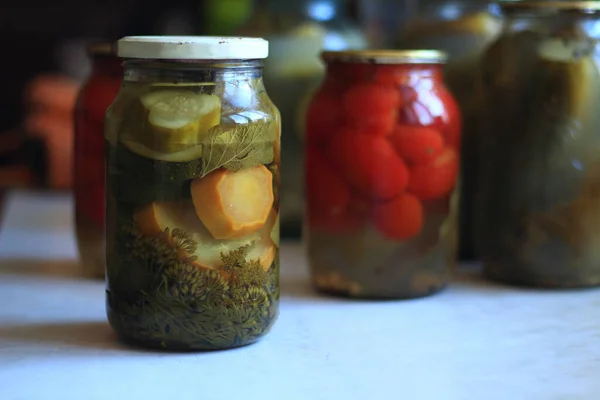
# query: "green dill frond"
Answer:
x=183 y=241
x=180 y=279
x=152 y=252
x=214 y=287
x=235 y=258
x=191 y=284
x=251 y=274
x=180 y=305
x=257 y=297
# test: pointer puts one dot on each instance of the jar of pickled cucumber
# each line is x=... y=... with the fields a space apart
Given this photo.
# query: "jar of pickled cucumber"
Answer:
x=94 y=98
x=463 y=29
x=538 y=213
x=192 y=194
x=382 y=162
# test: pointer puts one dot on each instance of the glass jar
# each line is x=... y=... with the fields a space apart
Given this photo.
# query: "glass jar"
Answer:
x=463 y=29
x=538 y=213
x=192 y=194
x=297 y=31
x=94 y=98
x=382 y=160
x=381 y=19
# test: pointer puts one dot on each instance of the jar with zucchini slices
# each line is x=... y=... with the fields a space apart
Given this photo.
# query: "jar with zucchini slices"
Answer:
x=538 y=213
x=192 y=194
x=94 y=98
x=463 y=29
x=382 y=162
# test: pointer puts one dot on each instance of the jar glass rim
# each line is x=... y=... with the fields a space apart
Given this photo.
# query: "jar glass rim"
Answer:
x=581 y=6
x=101 y=49
x=387 y=56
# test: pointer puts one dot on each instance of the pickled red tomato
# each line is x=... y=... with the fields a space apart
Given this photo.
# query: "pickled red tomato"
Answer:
x=360 y=205
x=90 y=136
x=440 y=113
x=416 y=144
x=393 y=75
x=435 y=179
x=345 y=222
x=453 y=123
x=98 y=96
x=366 y=98
x=90 y=204
x=372 y=102
x=352 y=72
x=326 y=191
x=400 y=218
x=324 y=114
x=376 y=123
x=368 y=163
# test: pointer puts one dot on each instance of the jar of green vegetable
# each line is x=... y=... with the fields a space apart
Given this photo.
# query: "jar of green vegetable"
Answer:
x=538 y=211
x=192 y=194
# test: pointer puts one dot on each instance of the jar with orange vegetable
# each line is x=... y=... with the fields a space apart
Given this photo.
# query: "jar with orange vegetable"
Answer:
x=192 y=194
x=382 y=164
x=94 y=98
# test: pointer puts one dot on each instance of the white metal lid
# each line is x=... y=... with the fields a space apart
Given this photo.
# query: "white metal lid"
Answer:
x=192 y=48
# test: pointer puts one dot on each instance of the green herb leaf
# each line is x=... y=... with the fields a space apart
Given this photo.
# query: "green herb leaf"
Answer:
x=243 y=146
x=182 y=306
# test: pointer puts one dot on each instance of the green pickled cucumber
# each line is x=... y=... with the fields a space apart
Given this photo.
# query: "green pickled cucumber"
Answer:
x=136 y=179
x=480 y=24
x=185 y=155
x=569 y=67
x=171 y=121
x=275 y=232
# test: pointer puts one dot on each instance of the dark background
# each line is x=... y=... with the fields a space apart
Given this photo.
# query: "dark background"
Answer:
x=35 y=34
x=49 y=38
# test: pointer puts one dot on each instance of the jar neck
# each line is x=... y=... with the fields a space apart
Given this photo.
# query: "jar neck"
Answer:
x=565 y=24
x=191 y=71
x=454 y=9
x=422 y=71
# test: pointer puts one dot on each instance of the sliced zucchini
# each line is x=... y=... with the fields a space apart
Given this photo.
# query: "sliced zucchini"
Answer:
x=157 y=217
x=177 y=119
x=188 y=154
x=275 y=231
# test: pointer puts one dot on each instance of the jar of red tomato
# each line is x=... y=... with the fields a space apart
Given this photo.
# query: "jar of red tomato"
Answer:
x=95 y=96
x=382 y=164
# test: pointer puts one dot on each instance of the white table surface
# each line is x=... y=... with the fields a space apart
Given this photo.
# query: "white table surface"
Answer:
x=474 y=341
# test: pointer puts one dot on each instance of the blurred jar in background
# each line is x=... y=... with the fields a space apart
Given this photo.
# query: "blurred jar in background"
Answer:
x=49 y=101
x=222 y=17
x=538 y=205
x=381 y=19
x=463 y=29
x=297 y=31
x=382 y=161
x=95 y=97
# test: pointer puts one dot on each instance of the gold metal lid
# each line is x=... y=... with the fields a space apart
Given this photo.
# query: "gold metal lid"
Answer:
x=583 y=6
x=101 y=49
x=386 y=56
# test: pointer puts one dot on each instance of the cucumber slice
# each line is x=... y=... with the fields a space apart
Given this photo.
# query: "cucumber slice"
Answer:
x=186 y=155
x=178 y=119
x=275 y=231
